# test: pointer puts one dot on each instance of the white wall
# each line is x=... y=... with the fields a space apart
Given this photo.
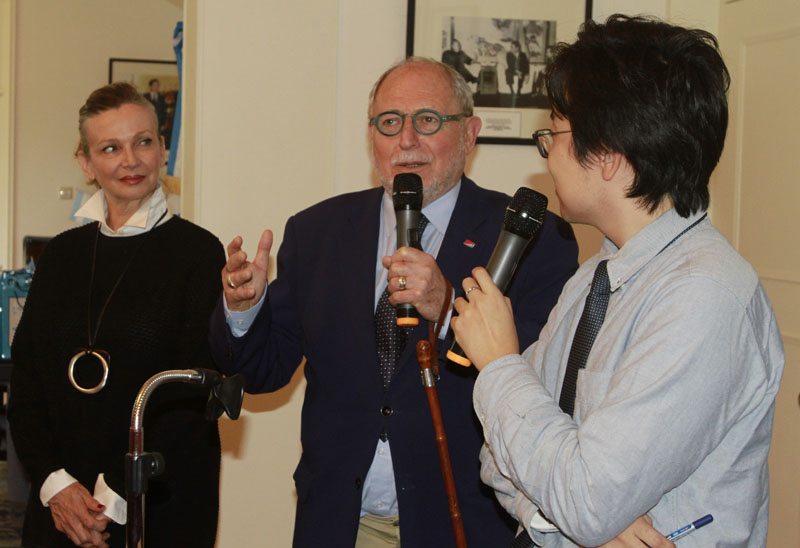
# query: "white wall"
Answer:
x=265 y=145
x=62 y=53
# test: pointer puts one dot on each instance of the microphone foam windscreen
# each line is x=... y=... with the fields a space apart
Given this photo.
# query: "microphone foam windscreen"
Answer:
x=525 y=214
x=407 y=191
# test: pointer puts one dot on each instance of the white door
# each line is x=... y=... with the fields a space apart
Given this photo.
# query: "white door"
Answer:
x=755 y=196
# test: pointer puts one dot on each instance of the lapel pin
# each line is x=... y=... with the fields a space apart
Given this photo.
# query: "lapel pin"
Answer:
x=469 y=243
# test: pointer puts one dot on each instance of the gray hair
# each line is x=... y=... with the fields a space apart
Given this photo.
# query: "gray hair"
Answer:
x=461 y=91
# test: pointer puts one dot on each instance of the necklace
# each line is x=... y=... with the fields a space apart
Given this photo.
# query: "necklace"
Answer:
x=101 y=356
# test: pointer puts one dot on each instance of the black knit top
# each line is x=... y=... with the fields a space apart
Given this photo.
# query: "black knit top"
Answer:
x=157 y=319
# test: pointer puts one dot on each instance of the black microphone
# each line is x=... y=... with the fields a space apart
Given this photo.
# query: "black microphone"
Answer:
x=523 y=219
x=407 y=198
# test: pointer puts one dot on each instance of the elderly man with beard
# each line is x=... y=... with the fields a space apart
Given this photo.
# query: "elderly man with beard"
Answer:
x=369 y=474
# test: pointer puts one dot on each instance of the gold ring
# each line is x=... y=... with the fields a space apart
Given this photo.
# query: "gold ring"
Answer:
x=230 y=283
x=71 y=372
x=402 y=282
x=473 y=288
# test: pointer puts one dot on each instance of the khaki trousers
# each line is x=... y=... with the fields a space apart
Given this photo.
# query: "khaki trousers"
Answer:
x=378 y=532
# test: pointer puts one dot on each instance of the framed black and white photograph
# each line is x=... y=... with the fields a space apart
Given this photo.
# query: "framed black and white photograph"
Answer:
x=157 y=80
x=500 y=48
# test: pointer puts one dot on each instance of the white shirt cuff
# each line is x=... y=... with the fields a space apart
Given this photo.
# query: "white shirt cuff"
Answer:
x=54 y=483
x=447 y=318
x=240 y=322
x=116 y=506
x=542 y=524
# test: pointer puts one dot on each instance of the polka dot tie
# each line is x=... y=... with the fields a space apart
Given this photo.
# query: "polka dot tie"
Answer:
x=594 y=312
x=391 y=338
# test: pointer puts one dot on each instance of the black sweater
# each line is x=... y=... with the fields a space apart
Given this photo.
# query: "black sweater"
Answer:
x=157 y=319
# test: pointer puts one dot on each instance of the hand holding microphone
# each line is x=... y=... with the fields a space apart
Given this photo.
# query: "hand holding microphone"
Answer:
x=485 y=322
x=522 y=221
x=407 y=199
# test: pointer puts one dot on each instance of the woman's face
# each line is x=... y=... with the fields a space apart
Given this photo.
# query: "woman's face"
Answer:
x=125 y=154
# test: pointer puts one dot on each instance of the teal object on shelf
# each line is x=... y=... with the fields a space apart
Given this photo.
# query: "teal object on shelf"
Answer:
x=14 y=285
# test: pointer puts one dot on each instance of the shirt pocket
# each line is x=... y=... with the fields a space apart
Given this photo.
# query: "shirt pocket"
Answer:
x=593 y=387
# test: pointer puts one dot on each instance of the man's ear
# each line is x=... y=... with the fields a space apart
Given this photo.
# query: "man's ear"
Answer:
x=472 y=128
x=610 y=163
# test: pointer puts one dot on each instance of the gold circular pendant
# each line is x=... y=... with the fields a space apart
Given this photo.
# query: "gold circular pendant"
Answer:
x=71 y=371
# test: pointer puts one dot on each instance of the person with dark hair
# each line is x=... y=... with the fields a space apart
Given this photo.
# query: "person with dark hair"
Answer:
x=459 y=60
x=369 y=474
x=651 y=390
x=155 y=96
x=517 y=68
x=111 y=304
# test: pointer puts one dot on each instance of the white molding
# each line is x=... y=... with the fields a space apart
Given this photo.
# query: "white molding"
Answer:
x=746 y=42
x=774 y=275
x=7 y=39
x=794 y=340
x=753 y=39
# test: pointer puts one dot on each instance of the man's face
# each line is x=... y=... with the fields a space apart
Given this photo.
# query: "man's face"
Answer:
x=514 y=48
x=439 y=158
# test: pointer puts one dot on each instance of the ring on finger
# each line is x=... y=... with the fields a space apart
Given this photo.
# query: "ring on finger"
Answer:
x=471 y=289
x=230 y=282
x=402 y=282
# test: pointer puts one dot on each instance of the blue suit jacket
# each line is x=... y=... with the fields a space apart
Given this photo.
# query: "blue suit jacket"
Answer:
x=321 y=306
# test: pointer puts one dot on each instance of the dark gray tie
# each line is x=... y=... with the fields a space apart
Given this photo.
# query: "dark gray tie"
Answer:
x=594 y=312
x=391 y=338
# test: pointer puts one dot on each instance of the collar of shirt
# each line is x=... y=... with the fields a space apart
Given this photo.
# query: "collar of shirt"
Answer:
x=625 y=262
x=438 y=213
x=145 y=218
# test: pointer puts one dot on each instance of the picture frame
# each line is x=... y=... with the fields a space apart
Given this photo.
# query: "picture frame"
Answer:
x=140 y=73
x=500 y=48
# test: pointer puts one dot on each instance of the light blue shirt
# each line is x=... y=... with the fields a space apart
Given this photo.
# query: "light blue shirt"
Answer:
x=379 y=495
x=673 y=414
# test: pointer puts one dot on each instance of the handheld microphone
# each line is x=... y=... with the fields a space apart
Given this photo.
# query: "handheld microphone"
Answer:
x=407 y=198
x=523 y=219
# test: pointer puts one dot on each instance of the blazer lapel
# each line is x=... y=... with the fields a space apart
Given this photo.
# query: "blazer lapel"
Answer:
x=457 y=256
x=357 y=268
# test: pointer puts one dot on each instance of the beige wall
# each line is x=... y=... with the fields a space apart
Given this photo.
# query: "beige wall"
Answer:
x=62 y=53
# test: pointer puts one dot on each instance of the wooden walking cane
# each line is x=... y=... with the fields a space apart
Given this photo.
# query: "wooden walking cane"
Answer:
x=430 y=373
x=429 y=382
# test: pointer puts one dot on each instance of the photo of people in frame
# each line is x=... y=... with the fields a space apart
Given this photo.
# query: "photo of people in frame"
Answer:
x=157 y=81
x=501 y=59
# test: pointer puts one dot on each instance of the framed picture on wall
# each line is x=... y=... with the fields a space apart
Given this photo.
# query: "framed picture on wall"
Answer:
x=157 y=80
x=500 y=48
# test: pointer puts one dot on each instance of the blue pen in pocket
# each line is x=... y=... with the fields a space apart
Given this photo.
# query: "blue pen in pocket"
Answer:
x=696 y=524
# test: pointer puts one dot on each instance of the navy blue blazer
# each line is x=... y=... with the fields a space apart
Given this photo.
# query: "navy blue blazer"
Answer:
x=321 y=306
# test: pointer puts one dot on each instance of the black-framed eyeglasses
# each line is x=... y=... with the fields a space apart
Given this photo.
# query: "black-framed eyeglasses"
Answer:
x=426 y=121
x=544 y=140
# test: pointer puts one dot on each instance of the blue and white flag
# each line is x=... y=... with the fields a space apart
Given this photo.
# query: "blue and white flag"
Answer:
x=173 y=163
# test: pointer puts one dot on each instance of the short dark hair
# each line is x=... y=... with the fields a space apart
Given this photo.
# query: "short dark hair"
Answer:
x=108 y=97
x=654 y=92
